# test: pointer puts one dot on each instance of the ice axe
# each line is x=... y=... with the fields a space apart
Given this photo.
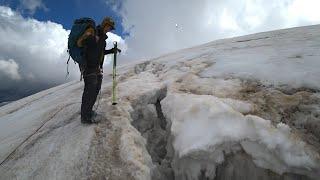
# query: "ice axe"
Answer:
x=114 y=73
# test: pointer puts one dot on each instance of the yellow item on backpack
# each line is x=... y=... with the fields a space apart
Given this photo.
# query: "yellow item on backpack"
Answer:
x=86 y=34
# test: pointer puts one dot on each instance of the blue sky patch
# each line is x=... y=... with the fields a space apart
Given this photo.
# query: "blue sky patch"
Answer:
x=65 y=12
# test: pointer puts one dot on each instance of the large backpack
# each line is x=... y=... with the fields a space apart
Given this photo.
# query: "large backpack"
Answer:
x=78 y=28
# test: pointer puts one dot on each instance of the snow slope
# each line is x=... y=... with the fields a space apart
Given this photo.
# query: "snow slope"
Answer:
x=239 y=108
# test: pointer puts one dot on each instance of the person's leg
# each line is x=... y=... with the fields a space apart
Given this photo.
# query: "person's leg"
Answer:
x=99 y=80
x=98 y=87
x=88 y=96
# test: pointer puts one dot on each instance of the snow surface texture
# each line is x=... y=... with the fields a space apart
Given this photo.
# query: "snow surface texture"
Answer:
x=62 y=148
x=202 y=123
x=253 y=98
x=286 y=57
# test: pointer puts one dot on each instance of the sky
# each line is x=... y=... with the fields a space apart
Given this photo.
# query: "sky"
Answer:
x=34 y=33
x=64 y=12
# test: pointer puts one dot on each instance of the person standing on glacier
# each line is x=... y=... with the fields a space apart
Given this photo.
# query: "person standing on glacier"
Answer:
x=94 y=43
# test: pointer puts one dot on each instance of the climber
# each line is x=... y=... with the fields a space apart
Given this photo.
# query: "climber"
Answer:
x=94 y=43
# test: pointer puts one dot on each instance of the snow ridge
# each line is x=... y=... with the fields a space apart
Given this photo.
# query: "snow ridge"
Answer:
x=245 y=107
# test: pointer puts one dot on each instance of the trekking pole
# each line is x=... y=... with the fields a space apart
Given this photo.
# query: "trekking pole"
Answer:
x=114 y=74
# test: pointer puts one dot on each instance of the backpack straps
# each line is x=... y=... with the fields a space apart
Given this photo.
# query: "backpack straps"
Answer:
x=68 y=66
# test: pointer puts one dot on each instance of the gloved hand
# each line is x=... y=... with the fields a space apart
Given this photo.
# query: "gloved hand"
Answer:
x=114 y=50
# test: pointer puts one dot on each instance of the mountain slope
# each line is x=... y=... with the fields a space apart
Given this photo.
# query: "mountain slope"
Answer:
x=239 y=108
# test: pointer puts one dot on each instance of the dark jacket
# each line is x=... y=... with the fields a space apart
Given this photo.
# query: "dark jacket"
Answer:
x=94 y=51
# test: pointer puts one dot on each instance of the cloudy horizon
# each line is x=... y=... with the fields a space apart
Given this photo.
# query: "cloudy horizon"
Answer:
x=172 y=25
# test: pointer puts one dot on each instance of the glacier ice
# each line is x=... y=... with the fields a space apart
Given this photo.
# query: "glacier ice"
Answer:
x=238 y=108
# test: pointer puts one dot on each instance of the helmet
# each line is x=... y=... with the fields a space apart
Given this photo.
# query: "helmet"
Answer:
x=108 y=21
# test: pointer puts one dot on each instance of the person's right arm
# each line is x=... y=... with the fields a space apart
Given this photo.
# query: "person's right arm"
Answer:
x=88 y=33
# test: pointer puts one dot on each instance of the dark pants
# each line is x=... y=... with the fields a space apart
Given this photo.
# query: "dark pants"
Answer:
x=92 y=86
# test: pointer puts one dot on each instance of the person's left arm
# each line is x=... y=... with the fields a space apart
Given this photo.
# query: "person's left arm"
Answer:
x=109 y=51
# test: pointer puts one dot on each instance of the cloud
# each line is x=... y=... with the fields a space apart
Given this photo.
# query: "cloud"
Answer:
x=32 y=5
x=34 y=53
x=39 y=48
x=158 y=27
x=304 y=10
x=110 y=44
x=227 y=22
x=10 y=69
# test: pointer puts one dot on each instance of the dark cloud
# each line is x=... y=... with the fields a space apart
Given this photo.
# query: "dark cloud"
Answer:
x=35 y=51
x=33 y=55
